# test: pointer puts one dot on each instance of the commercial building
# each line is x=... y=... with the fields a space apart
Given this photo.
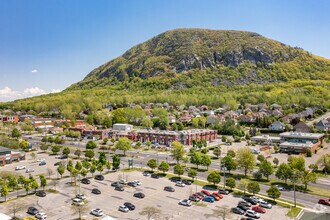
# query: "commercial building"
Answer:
x=6 y=118
x=298 y=142
x=7 y=156
x=122 y=127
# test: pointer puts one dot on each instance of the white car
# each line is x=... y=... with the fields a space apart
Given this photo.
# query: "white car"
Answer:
x=41 y=160
x=256 y=198
x=124 y=182
x=41 y=215
x=137 y=182
x=185 y=202
x=81 y=196
x=123 y=208
x=179 y=183
x=281 y=188
x=265 y=204
x=29 y=170
x=20 y=167
x=77 y=201
x=252 y=213
x=97 y=212
x=255 y=151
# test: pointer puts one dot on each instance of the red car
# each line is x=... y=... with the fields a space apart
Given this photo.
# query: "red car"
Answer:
x=206 y=192
x=198 y=196
x=218 y=195
x=324 y=202
x=258 y=209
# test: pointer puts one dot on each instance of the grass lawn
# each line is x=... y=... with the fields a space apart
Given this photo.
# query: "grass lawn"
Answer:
x=293 y=212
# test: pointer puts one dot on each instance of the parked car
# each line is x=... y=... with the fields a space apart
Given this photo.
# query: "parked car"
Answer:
x=155 y=176
x=137 y=182
x=223 y=191
x=252 y=214
x=146 y=173
x=237 y=211
x=169 y=189
x=208 y=199
x=205 y=192
x=324 y=202
x=77 y=201
x=57 y=163
x=99 y=177
x=194 y=198
x=96 y=191
x=41 y=215
x=85 y=181
x=123 y=208
x=40 y=193
x=41 y=160
x=218 y=195
x=20 y=167
x=265 y=204
x=256 y=198
x=202 y=195
x=255 y=151
x=124 y=182
x=251 y=200
x=139 y=195
x=32 y=211
x=114 y=184
x=281 y=188
x=198 y=196
x=244 y=208
x=247 y=218
x=132 y=184
x=129 y=205
x=97 y=212
x=216 y=198
x=42 y=163
x=244 y=203
x=81 y=196
x=185 y=202
x=119 y=188
x=179 y=183
x=175 y=179
x=29 y=170
x=187 y=182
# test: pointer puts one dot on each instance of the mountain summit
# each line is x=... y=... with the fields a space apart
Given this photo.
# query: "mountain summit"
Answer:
x=233 y=57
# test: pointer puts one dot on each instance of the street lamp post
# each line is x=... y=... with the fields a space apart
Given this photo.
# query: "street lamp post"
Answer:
x=294 y=179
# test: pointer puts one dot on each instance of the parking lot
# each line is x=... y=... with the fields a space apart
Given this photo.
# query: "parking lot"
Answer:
x=58 y=205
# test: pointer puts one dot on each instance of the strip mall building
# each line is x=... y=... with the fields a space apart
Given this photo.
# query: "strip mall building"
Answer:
x=8 y=156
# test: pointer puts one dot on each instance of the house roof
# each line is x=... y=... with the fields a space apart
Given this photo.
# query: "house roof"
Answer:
x=302 y=125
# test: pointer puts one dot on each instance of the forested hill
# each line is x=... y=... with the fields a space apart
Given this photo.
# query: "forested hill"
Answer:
x=196 y=67
x=181 y=57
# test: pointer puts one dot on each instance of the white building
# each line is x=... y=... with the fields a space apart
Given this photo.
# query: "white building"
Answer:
x=122 y=127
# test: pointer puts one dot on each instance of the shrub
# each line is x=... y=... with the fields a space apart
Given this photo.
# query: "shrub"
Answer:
x=308 y=153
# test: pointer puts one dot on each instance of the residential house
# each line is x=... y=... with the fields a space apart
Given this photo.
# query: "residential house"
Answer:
x=276 y=126
x=323 y=125
x=302 y=127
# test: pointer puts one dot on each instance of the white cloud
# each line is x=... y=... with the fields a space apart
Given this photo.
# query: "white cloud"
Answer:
x=7 y=94
x=34 y=71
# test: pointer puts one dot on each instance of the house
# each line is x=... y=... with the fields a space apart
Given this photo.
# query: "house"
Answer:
x=7 y=156
x=211 y=119
x=276 y=126
x=29 y=117
x=249 y=118
x=302 y=127
x=6 y=118
x=277 y=112
x=323 y=125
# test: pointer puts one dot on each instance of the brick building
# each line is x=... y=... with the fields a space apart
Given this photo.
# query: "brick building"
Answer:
x=6 y=118
x=299 y=142
x=7 y=156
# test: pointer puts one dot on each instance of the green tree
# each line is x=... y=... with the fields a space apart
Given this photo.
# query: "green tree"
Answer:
x=24 y=145
x=34 y=184
x=253 y=187
x=152 y=163
x=324 y=162
x=119 y=116
x=261 y=157
x=273 y=192
x=217 y=152
x=245 y=160
x=196 y=158
x=284 y=172
x=56 y=149
x=297 y=163
x=27 y=186
x=276 y=161
x=43 y=181
x=4 y=191
x=77 y=153
x=91 y=145
x=231 y=153
x=148 y=143
x=194 y=122
x=60 y=170
x=102 y=158
x=192 y=173
x=230 y=182
x=147 y=123
x=177 y=151
x=178 y=169
x=163 y=166
x=92 y=169
x=78 y=166
x=214 y=177
x=115 y=161
x=206 y=160
x=306 y=177
x=313 y=167
x=83 y=172
x=123 y=144
x=100 y=168
x=229 y=163
x=89 y=153
x=202 y=122
x=44 y=147
x=66 y=151
x=266 y=168
x=15 y=133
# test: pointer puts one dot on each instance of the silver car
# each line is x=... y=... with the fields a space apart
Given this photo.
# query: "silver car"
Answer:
x=123 y=208
x=265 y=204
x=185 y=202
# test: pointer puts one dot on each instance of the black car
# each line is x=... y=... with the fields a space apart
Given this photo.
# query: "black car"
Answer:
x=40 y=193
x=194 y=198
x=247 y=218
x=175 y=179
x=237 y=211
x=187 y=182
x=57 y=163
x=223 y=191
x=119 y=188
x=96 y=191
x=244 y=203
x=129 y=205
x=244 y=208
x=114 y=184
x=64 y=156
x=155 y=176
x=32 y=211
x=99 y=177
x=169 y=188
x=139 y=195
x=251 y=200
x=132 y=184
x=85 y=181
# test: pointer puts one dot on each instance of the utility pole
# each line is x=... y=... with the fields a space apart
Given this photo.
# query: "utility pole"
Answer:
x=294 y=179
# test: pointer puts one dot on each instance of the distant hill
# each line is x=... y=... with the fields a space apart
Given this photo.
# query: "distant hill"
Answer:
x=198 y=66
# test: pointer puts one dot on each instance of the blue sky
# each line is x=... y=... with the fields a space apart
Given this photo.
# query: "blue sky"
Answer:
x=47 y=45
